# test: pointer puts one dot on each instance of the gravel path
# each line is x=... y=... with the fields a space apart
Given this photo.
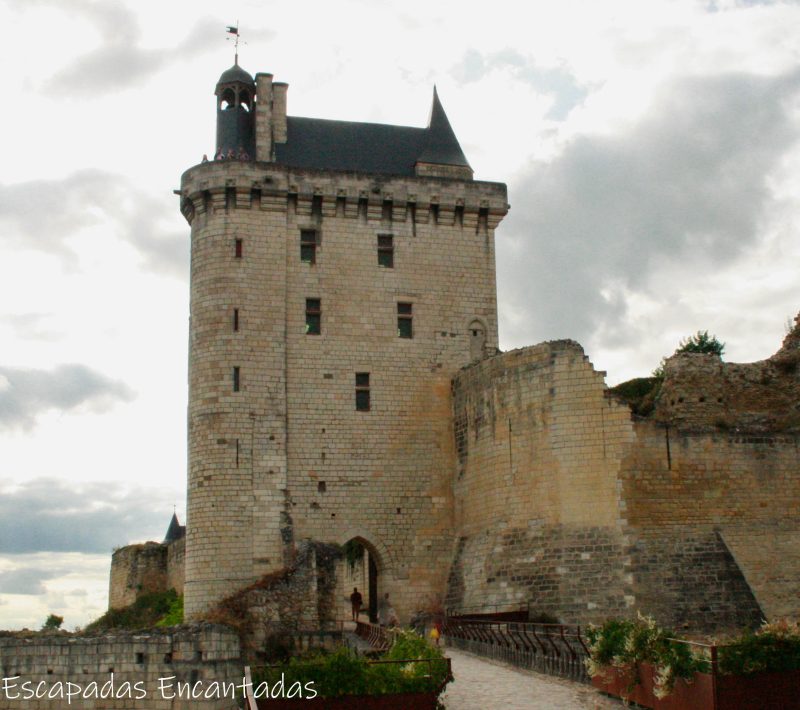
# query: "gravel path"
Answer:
x=483 y=684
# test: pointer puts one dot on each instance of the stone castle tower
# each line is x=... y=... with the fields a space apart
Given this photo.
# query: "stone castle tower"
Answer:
x=341 y=274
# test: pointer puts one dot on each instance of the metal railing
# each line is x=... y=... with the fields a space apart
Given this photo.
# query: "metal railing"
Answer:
x=379 y=637
x=556 y=649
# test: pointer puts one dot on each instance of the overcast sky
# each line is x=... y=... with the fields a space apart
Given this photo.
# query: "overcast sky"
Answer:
x=650 y=149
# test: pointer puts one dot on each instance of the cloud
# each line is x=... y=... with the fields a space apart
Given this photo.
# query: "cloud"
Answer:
x=556 y=82
x=121 y=61
x=686 y=184
x=45 y=214
x=31 y=326
x=24 y=394
x=26 y=580
x=52 y=515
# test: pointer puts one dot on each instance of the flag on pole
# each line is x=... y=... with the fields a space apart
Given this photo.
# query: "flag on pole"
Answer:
x=233 y=30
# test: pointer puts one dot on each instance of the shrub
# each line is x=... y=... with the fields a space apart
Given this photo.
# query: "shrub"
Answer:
x=145 y=612
x=174 y=615
x=623 y=643
x=640 y=393
x=345 y=673
x=774 y=647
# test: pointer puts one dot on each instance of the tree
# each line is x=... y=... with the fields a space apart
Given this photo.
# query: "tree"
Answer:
x=53 y=622
x=701 y=342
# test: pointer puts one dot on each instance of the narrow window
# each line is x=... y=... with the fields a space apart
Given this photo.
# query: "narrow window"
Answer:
x=386 y=251
x=308 y=246
x=236 y=379
x=235 y=319
x=362 y=391
x=404 y=320
x=313 y=316
x=237 y=249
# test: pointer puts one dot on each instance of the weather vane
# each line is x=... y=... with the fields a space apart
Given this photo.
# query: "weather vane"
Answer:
x=234 y=30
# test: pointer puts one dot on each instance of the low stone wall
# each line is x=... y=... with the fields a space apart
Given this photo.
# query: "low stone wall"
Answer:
x=176 y=669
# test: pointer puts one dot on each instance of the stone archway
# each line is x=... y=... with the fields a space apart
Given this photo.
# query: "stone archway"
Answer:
x=364 y=567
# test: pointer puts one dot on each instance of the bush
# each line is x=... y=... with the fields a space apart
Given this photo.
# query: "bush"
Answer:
x=701 y=342
x=345 y=673
x=774 y=647
x=145 y=612
x=640 y=393
x=174 y=615
x=623 y=644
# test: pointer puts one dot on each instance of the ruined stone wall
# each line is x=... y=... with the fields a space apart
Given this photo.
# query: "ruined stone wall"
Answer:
x=136 y=570
x=566 y=504
x=151 y=662
x=289 y=457
x=537 y=507
x=144 y=568
x=701 y=393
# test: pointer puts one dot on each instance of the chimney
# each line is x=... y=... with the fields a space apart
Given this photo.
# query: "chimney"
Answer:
x=279 y=90
x=264 y=117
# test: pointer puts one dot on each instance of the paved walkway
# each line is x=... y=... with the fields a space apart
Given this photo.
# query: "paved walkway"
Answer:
x=481 y=683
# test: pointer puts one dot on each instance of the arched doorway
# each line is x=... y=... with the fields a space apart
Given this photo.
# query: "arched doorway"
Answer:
x=362 y=569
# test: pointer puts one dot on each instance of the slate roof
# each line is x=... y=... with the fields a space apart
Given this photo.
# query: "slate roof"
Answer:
x=369 y=147
x=441 y=145
x=175 y=531
x=236 y=73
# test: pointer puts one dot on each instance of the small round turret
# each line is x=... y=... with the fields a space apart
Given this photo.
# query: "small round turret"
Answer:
x=235 y=94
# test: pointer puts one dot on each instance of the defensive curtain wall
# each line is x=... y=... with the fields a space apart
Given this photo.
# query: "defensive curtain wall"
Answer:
x=567 y=502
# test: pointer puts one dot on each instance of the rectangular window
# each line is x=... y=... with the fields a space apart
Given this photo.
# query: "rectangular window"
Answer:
x=308 y=246
x=313 y=316
x=362 y=391
x=235 y=319
x=236 y=379
x=404 y=321
x=237 y=249
x=386 y=251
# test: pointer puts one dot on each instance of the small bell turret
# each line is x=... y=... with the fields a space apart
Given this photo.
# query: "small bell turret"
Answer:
x=235 y=94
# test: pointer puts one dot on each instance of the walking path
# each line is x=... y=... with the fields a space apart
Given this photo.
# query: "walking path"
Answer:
x=481 y=684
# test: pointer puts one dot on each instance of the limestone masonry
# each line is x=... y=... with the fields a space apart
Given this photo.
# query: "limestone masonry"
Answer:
x=345 y=386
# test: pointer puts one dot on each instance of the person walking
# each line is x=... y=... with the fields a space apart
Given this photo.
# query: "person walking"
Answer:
x=356 y=600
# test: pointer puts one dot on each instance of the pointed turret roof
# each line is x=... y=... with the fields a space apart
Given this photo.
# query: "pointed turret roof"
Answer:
x=175 y=531
x=441 y=145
